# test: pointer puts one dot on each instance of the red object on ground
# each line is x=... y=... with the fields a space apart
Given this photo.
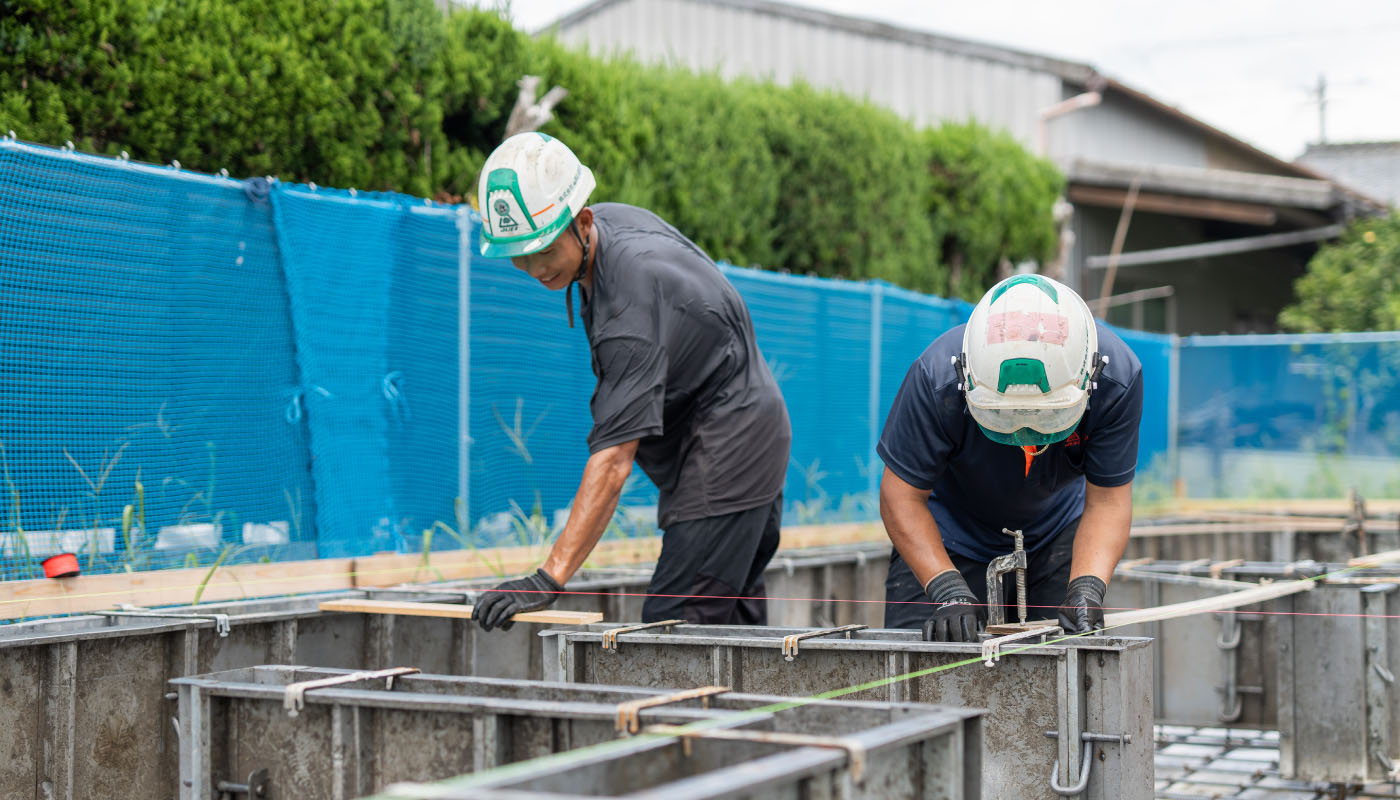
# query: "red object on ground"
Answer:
x=63 y=565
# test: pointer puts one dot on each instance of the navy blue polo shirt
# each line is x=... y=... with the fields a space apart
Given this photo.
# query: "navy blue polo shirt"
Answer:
x=978 y=486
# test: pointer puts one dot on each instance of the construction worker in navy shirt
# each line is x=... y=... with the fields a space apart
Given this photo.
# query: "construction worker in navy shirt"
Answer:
x=1026 y=418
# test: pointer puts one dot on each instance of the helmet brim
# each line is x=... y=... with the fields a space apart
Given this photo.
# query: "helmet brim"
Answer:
x=533 y=242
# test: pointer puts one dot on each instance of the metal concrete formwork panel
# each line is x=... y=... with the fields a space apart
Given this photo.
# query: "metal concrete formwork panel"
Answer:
x=86 y=713
x=1339 y=707
x=96 y=684
x=919 y=755
x=1095 y=686
x=359 y=734
x=1280 y=544
x=1318 y=665
x=1208 y=669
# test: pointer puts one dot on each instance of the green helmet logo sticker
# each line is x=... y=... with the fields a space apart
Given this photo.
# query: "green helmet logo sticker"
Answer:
x=1023 y=372
x=502 y=186
x=504 y=222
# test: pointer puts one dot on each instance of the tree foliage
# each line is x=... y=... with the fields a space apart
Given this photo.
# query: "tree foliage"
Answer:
x=394 y=95
x=1352 y=284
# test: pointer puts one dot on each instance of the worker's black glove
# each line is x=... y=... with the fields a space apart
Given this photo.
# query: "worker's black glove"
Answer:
x=530 y=593
x=1082 y=610
x=956 y=615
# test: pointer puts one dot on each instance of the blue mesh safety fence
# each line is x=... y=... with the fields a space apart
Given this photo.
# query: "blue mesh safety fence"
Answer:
x=1290 y=416
x=147 y=357
x=279 y=368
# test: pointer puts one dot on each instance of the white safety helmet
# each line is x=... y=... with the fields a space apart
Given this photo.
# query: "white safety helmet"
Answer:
x=531 y=188
x=1029 y=361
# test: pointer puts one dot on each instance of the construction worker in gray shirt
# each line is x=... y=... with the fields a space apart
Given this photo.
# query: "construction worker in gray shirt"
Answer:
x=683 y=390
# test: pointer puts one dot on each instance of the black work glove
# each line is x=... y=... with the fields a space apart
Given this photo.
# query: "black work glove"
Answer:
x=530 y=593
x=956 y=617
x=1082 y=610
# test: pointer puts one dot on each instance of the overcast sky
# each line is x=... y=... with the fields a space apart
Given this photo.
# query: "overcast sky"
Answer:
x=1249 y=67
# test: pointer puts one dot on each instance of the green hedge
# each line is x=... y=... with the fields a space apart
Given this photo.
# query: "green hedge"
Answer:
x=394 y=95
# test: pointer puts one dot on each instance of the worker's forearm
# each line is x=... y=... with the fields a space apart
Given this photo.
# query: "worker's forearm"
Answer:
x=594 y=504
x=911 y=528
x=1103 y=531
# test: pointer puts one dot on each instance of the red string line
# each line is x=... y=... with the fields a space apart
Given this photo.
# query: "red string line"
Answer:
x=903 y=602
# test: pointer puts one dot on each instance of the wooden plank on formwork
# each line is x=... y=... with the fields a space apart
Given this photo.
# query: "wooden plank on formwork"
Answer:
x=1340 y=507
x=49 y=596
x=1375 y=560
x=1196 y=528
x=46 y=597
x=455 y=611
x=452 y=565
x=1244 y=597
x=799 y=536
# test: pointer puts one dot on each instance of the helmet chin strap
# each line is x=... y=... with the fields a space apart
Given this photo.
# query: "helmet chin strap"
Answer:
x=582 y=269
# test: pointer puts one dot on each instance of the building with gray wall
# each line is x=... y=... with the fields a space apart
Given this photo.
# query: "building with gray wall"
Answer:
x=1190 y=184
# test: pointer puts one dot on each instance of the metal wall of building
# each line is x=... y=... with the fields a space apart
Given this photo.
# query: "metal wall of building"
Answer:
x=922 y=83
x=1123 y=131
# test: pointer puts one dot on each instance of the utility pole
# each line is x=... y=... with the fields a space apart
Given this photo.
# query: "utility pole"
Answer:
x=1321 y=109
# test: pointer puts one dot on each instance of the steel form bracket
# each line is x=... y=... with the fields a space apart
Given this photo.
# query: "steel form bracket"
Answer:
x=629 y=713
x=854 y=750
x=790 y=642
x=991 y=648
x=1231 y=634
x=221 y=621
x=1380 y=681
x=257 y=787
x=1071 y=760
x=610 y=636
x=294 y=695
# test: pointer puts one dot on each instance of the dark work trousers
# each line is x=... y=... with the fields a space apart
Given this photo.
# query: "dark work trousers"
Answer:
x=1047 y=578
x=708 y=564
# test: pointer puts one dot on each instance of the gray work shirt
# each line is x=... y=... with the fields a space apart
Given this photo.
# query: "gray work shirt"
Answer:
x=678 y=368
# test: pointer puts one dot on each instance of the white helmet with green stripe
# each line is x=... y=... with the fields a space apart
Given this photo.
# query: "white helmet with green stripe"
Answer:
x=531 y=188
x=1029 y=361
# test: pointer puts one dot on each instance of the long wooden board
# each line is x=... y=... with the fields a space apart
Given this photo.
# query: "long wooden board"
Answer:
x=1244 y=597
x=46 y=597
x=1376 y=559
x=455 y=611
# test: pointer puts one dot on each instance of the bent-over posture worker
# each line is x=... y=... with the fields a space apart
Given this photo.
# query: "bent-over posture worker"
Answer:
x=682 y=390
x=1026 y=418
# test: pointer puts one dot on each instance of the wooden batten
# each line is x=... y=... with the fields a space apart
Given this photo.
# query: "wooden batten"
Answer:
x=455 y=611
x=45 y=597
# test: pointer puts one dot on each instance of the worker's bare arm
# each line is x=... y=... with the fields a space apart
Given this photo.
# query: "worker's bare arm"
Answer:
x=594 y=504
x=1103 y=530
x=910 y=525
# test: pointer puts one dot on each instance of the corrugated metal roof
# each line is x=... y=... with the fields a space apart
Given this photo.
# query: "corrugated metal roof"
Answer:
x=1251 y=187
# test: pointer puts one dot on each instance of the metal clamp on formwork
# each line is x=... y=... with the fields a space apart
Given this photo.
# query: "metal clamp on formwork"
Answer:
x=294 y=696
x=1015 y=561
x=991 y=648
x=790 y=642
x=610 y=636
x=629 y=713
x=854 y=750
x=256 y=788
x=221 y=622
